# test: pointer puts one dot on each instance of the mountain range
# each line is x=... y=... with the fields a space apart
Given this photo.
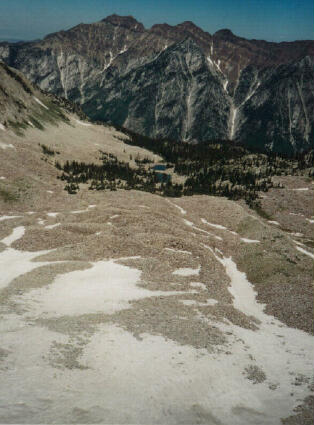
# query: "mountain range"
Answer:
x=178 y=82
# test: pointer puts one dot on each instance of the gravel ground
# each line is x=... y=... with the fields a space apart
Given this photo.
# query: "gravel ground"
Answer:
x=197 y=307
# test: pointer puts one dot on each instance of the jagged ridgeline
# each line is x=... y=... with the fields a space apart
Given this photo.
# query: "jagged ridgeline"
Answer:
x=218 y=168
x=179 y=82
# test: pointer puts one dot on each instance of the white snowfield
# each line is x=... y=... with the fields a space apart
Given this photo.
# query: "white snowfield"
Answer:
x=105 y=288
x=125 y=379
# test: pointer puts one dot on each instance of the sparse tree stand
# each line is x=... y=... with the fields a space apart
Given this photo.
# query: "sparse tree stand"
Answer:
x=218 y=168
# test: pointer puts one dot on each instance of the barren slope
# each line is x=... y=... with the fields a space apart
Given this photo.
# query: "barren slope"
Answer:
x=125 y=307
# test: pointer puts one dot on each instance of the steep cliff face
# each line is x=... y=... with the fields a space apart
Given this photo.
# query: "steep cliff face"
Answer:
x=178 y=81
x=278 y=111
x=176 y=95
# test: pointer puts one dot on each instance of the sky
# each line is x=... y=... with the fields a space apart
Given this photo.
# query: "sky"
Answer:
x=272 y=20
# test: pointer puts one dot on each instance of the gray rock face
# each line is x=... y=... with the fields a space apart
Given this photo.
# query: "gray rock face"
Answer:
x=178 y=82
x=177 y=95
x=279 y=111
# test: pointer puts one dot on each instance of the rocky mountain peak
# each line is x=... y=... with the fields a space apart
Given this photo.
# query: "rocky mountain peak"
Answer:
x=224 y=34
x=188 y=26
x=128 y=22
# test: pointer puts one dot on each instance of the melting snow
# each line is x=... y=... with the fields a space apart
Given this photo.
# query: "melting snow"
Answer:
x=249 y=240
x=5 y=146
x=198 y=285
x=83 y=123
x=182 y=211
x=273 y=222
x=52 y=226
x=186 y=271
x=16 y=234
x=180 y=251
x=14 y=263
x=52 y=214
x=304 y=251
x=189 y=223
x=40 y=103
x=218 y=226
x=2 y=127
x=209 y=301
x=106 y=287
x=8 y=217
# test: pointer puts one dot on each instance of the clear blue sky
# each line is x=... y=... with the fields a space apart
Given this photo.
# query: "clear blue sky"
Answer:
x=273 y=20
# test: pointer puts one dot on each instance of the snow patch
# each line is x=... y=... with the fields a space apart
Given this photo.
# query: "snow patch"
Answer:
x=180 y=251
x=274 y=222
x=85 y=124
x=52 y=226
x=186 y=271
x=16 y=234
x=8 y=217
x=5 y=146
x=217 y=226
x=198 y=285
x=189 y=223
x=209 y=301
x=2 y=127
x=107 y=287
x=14 y=263
x=40 y=103
x=52 y=214
x=182 y=211
x=298 y=234
x=304 y=251
x=249 y=240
